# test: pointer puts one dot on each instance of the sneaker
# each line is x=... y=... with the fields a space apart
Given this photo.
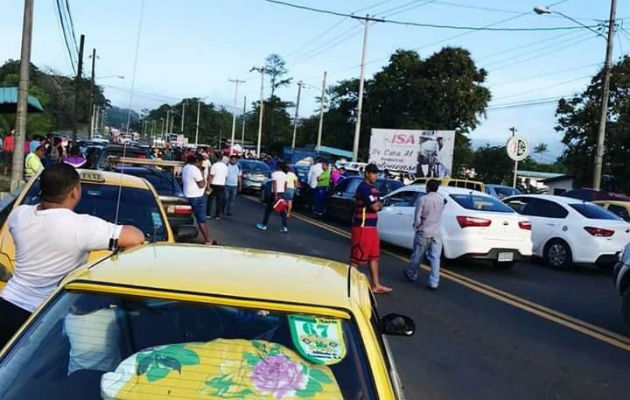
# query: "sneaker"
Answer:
x=217 y=218
x=261 y=226
x=284 y=229
x=432 y=288
x=411 y=275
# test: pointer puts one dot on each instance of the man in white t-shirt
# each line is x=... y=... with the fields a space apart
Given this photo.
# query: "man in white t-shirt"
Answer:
x=314 y=172
x=51 y=241
x=278 y=187
x=195 y=191
x=217 y=178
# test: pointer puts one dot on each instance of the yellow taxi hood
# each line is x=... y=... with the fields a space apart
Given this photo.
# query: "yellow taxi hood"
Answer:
x=225 y=271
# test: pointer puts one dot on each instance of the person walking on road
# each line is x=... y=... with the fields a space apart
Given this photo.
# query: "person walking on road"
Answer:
x=365 y=245
x=7 y=151
x=323 y=182
x=427 y=240
x=217 y=178
x=194 y=191
x=232 y=184
x=293 y=183
x=314 y=172
x=278 y=187
x=51 y=240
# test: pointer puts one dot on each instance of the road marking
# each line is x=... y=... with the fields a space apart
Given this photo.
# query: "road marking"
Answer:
x=565 y=320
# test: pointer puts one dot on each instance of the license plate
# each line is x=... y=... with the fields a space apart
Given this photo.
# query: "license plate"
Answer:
x=505 y=256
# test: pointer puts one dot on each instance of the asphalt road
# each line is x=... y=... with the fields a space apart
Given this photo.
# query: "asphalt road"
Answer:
x=525 y=333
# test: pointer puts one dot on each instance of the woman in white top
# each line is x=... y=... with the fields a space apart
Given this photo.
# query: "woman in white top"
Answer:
x=293 y=183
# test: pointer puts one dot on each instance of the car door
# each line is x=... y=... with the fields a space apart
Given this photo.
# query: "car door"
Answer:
x=547 y=218
x=335 y=197
x=396 y=218
x=620 y=211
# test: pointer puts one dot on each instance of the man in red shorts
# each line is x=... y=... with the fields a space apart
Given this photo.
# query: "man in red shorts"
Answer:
x=365 y=243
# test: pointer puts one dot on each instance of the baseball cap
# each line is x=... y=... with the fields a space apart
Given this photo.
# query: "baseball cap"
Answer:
x=371 y=169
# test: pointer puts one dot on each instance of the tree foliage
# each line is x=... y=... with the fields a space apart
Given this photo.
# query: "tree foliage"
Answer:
x=578 y=120
x=276 y=70
x=492 y=164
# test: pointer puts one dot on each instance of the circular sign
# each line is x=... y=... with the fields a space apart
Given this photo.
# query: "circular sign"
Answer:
x=517 y=148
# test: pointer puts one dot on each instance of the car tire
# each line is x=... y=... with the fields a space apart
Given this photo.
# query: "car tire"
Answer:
x=558 y=254
x=625 y=308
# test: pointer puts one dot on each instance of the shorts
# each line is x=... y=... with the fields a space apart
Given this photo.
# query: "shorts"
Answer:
x=365 y=245
x=199 y=206
x=289 y=194
x=7 y=158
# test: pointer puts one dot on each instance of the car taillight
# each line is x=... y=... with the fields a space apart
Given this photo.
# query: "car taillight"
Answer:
x=179 y=210
x=525 y=225
x=599 y=232
x=466 y=222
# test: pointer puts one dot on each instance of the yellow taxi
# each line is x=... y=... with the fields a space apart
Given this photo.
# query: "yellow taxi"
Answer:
x=617 y=207
x=205 y=322
x=139 y=206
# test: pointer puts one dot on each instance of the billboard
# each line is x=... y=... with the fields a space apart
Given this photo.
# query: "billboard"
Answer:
x=418 y=152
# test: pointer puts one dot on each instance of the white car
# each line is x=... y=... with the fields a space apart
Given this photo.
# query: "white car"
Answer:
x=474 y=225
x=569 y=231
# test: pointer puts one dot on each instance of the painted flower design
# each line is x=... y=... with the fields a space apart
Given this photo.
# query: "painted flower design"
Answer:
x=278 y=375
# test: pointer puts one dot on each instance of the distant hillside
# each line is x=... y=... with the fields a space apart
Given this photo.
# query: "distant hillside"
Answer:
x=116 y=117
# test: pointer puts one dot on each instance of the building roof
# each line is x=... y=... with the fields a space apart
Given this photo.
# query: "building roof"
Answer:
x=561 y=177
x=538 y=174
x=9 y=98
x=226 y=271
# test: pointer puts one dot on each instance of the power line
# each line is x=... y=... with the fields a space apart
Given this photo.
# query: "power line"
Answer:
x=427 y=25
x=71 y=25
x=413 y=7
x=543 y=87
x=545 y=74
x=65 y=35
x=343 y=37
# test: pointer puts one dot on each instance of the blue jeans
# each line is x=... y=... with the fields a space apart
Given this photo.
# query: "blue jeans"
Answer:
x=431 y=248
x=269 y=209
x=320 y=195
x=228 y=198
x=199 y=207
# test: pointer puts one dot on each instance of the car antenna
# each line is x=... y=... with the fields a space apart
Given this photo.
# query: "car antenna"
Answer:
x=113 y=243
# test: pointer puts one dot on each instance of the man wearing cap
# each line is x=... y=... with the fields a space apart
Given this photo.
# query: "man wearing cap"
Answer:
x=365 y=243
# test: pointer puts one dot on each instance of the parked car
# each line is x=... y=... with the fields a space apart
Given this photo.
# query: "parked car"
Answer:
x=118 y=150
x=178 y=209
x=620 y=208
x=474 y=225
x=568 y=231
x=167 y=321
x=500 y=192
x=254 y=174
x=621 y=272
x=302 y=173
x=452 y=182
x=593 y=195
x=339 y=203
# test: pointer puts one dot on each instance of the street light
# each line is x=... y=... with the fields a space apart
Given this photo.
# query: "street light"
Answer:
x=601 y=134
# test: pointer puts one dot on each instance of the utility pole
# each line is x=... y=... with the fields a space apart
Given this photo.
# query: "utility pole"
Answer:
x=183 y=115
x=168 y=113
x=297 y=110
x=163 y=127
x=172 y=122
x=261 y=107
x=513 y=130
x=197 y=128
x=17 y=166
x=601 y=135
x=236 y=82
x=77 y=84
x=92 y=105
x=244 y=111
x=153 y=129
x=321 y=115
x=357 y=130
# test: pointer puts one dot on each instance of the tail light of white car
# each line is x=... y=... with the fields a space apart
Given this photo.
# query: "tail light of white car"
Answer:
x=525 y=225
x=467 y=222
x=599 y=232
x=179 y=210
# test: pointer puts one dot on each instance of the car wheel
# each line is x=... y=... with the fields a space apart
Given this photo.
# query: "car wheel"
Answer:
x=625 y=308
x=558 y=254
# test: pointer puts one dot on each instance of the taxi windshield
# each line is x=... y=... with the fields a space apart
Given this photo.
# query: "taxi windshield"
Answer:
x=138 y=207
x=93 y=346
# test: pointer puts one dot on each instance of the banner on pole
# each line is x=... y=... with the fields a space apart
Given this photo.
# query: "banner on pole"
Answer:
x=419 y=152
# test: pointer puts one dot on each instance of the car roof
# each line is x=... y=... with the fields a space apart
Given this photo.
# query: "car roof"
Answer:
x=442 y=189
x=225 y=271
x=550 y=197
x=112 y=178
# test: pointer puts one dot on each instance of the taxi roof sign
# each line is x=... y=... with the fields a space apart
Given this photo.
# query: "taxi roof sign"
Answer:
x=91 y=176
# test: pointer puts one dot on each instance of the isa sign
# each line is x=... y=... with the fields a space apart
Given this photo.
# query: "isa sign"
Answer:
x=422 y=153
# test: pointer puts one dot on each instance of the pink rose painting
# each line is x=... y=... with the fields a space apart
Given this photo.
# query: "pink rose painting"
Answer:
x=279 y=375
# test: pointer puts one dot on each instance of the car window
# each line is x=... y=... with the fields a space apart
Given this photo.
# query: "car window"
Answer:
x=546 y=209
x=405 y=198
x=518 y=204
x=480 y=202
x=254 y=166
x=353 y=184
x=592 y=211
x=503 y=192
x=130 y=152
x=619 y=211
x=95 y=346
x=385 y=186
x=138 y=207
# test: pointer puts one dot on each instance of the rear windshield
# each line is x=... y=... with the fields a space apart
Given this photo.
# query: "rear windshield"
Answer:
x=129 y=152
x=592 y=211
x=163 y=182
x=254 y=166
x=503 y=192
x=110 y=347
x=138 y=207
x=480 y=203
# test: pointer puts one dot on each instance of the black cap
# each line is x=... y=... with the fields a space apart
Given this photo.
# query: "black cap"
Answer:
x=371 y=169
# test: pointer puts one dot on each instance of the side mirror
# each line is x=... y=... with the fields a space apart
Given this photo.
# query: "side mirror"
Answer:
x=186 y=233
x=397 y=325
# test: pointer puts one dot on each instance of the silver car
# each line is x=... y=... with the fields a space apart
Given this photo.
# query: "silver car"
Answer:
x=254 y=174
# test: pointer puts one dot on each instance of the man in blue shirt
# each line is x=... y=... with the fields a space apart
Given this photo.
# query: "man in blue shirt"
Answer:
x=232 y=184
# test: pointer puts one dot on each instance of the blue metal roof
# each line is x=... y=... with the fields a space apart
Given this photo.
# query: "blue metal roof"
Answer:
x=537 y=174
x=9 y=98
